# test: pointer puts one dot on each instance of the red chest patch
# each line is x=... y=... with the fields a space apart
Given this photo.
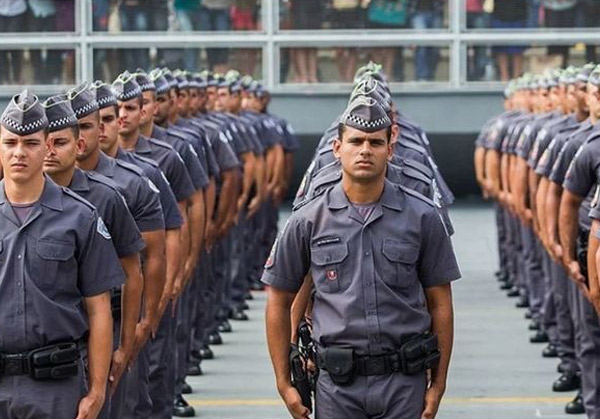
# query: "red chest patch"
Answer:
x=331 y=274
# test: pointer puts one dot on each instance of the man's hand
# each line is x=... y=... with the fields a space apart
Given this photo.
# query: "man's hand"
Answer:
x=143 y=330
x=575 y=272
x=177 y=288
x=253 y=206
x=90 y=406
x=433 y=397
x=293 y=402
x=595 y=300
x=557 y=252
x=209 y=236
x=117 y=367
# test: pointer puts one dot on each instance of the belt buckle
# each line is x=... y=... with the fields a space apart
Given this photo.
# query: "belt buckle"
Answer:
x=375 y=365
x=15 y=364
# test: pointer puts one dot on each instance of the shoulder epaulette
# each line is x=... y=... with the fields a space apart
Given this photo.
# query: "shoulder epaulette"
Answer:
x=417 y=195
x=412 y=146
x=73 y=195
x=128 y=166
x=419 y=167
x=176 y=134
x=161 y=143
x=325 y=150
x=101 y=179
x=147 y=161
x=308 y=200
x=415 y=174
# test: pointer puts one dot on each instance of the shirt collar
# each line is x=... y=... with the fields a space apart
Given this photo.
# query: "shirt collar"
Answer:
x=390 y=198
x=80 y=182
x=143 y=145
x=106 y=165
x=51 y=195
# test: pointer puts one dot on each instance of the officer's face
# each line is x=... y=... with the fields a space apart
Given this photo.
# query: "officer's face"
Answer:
x=163 y=105
x=22 y=156
x=183 y=102
x=581 y=96
x=194 y=100
x=130 y=115
x=254 y=103
x=202 y=98
x=109 y=128
x=211 y=97
x=89 y=131
x=363 y=156
x=235 y=102
x=150 y=105
x=594 y=100
x=223 y=97
x=62 y=152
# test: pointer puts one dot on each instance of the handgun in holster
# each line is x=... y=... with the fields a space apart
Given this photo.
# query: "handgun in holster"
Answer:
x=300 y=377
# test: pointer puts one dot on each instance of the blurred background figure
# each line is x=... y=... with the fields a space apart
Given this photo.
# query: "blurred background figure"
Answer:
x=134 y=17
x=534 y=13
x=509 y=14
x=346 y=14
x=387 y=14
x=46 y=64
x=426 y=14
x=215 y=16
x=588 y=16
x=305 y=15
x=560 y=14
x=13 y=18
x=245 y=17
x=478 y=58
x=187 y=13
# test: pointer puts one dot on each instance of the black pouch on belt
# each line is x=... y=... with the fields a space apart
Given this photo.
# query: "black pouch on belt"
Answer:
x=54 y=362
x=419 y=354
x=339 y=363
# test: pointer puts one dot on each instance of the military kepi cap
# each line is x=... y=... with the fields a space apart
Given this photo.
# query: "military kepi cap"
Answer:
x=83 y=101
x=59 y=112
x=126 y=88
x=104 y=94
x=365 y=114
x=24 y=114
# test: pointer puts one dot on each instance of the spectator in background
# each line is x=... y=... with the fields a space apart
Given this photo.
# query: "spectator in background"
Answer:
x=509 y=14
x=285 y=23
x=588 y=16
x=65 y=22
x=13 y=17
x=134 y=17
x=187 y=18
x=347 y=14
x=245 y=17
x=387 y=14
x=533 y=13
x=305 y=15
x=214 y=16
x=560 y=14
x=477 y=18
x=426 y=14
x=42 y=18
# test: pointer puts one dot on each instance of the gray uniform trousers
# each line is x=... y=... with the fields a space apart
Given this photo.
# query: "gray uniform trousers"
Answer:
x=534 y=274
x=257 y=254
x=590 y=357
x=24 y=397
x=392 y=396
x=161 y=378
x=203 y=307
x=512 y=248
x=502 y=238
x=563 y=304
x=239 y=269
x=221 y=268
x=183 y=335
x=113 y=406
x=548 y=313
x=138 y=404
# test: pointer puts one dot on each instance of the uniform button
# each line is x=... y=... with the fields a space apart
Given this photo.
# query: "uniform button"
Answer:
x=368 y=284
x=367 y=253
x=18 y=256
x=19 y=284
x=19 y=311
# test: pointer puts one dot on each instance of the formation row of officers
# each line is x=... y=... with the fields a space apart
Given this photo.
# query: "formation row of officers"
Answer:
x=134 y=219
x=540 y=162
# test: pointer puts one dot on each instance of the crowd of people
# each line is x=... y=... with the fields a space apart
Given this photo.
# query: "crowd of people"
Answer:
x=539 y=162
x=137 y=216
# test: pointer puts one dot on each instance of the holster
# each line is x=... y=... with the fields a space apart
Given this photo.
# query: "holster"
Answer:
x=582 y=252
x=300 y=379
x=419 y=354
x=339 y=363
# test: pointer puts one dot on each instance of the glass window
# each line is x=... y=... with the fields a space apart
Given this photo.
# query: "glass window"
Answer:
x=511 y=14
x=37 y=16
x=37 y=66
x=108 y=63
x=177 y=15
x=337 y=65
x=363 y=14
x=504 y=62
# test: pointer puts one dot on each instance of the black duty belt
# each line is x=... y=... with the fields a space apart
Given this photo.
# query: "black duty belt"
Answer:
x=53 y=362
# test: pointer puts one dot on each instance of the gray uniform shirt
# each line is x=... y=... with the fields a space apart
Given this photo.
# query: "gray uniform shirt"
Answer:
x=61 y=254
x=369 y=276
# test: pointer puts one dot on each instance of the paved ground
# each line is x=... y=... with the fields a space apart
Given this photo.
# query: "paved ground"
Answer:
x=496 y=373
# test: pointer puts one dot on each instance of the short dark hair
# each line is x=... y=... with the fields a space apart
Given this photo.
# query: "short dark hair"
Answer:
x=342 y=128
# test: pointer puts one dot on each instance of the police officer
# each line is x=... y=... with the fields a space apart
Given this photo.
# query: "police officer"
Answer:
x=348 y=238
x=55 y=291
x=144 y=202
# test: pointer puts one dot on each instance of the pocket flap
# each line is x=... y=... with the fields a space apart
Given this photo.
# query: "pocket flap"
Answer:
x=339 y=361
x=52 y=250
x=397 y=251
x=329 y=255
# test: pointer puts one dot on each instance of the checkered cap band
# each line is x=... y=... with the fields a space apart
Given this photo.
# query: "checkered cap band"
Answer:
x=28 y=128
x=126 y=95
x=65 y=121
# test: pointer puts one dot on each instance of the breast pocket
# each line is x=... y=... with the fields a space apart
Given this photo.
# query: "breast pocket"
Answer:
x=55 y=259
x=329 y=267
x=399 y=263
